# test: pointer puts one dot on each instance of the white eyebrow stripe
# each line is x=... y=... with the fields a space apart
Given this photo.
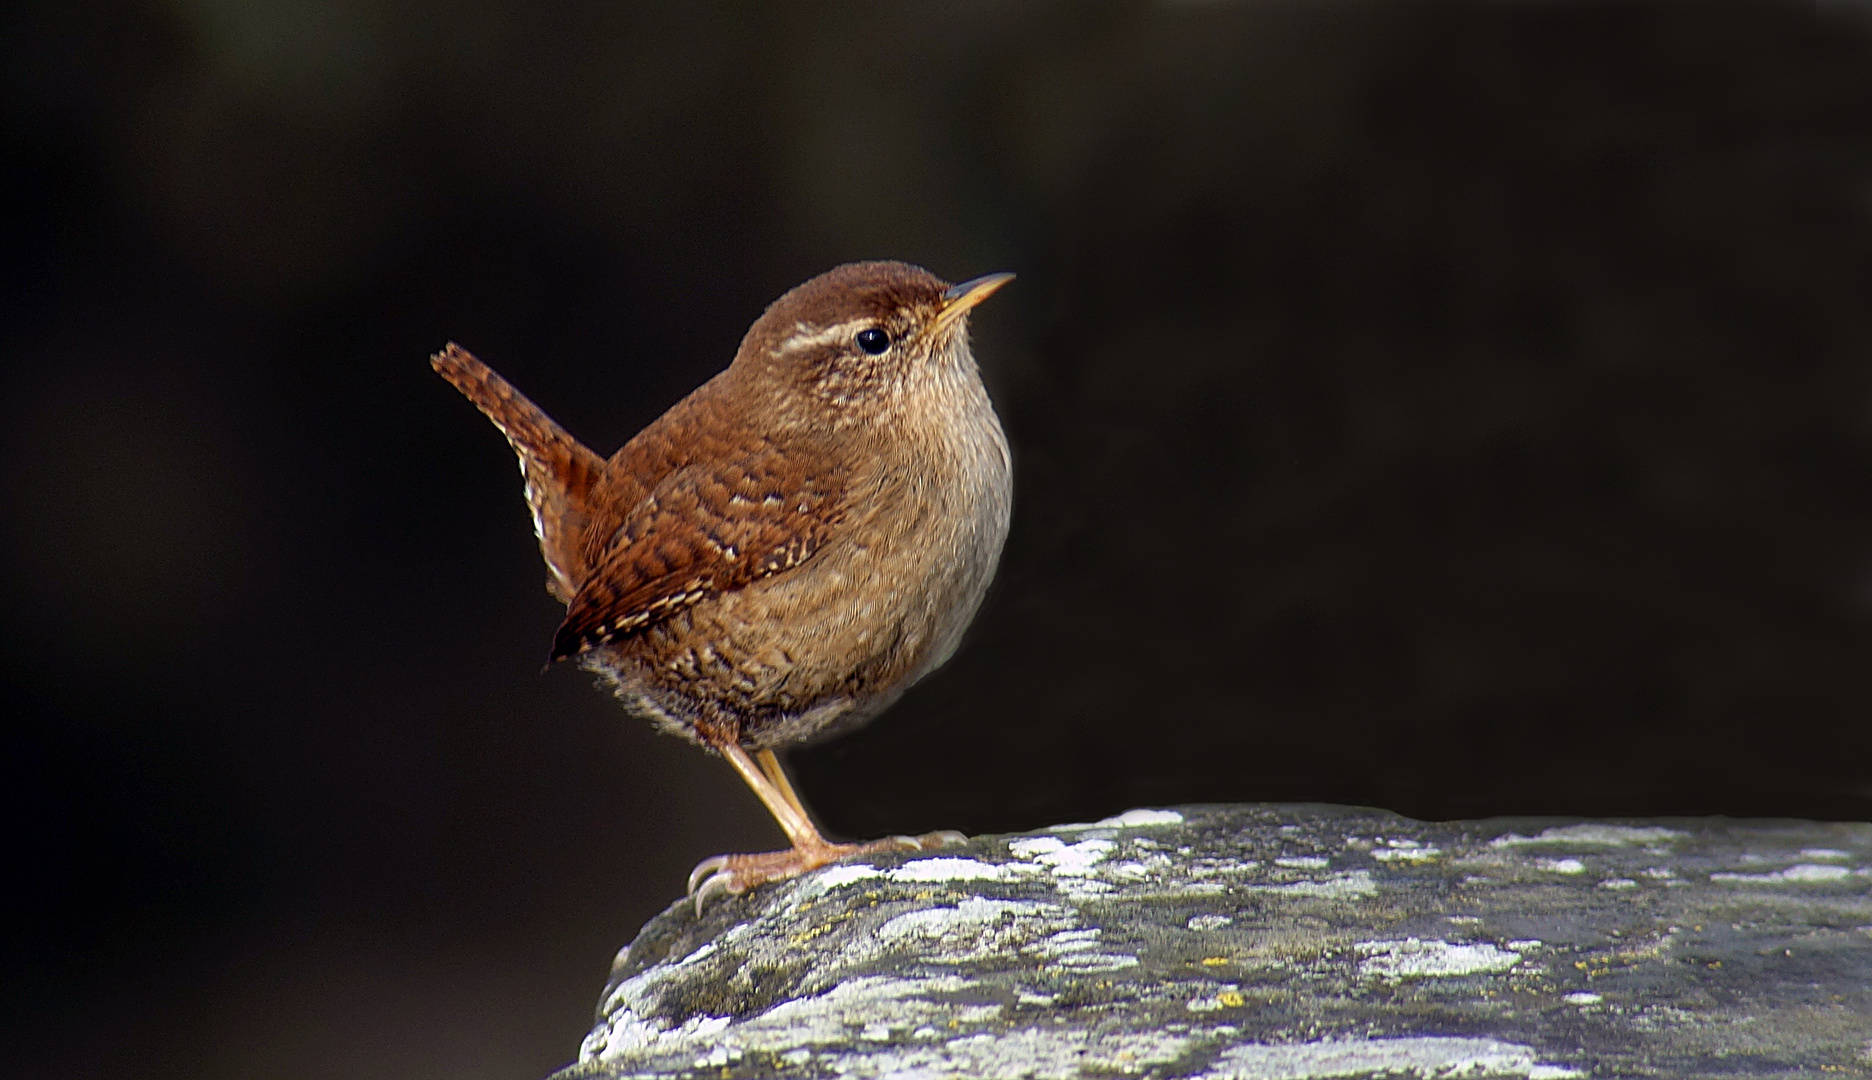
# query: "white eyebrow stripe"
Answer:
x=806 y=337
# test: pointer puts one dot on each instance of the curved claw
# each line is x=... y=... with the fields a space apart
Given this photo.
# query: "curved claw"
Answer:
x=721 y=881
x=709 y=868
x=928 y=841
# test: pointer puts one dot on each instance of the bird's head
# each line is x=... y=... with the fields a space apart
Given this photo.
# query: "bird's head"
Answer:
x=865 y=333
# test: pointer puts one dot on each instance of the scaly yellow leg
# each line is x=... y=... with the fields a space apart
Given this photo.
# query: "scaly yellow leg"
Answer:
x=793 y=820
x=770 y=764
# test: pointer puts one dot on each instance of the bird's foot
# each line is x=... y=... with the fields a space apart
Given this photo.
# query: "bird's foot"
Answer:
x=735 y=874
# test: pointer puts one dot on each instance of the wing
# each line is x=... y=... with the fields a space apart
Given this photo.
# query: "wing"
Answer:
x=708 y=527
x=559 y=471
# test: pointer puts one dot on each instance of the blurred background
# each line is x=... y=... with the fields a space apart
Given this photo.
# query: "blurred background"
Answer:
x=1459 y=409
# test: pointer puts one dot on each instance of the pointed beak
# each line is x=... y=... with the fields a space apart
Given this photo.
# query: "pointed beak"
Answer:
x=960 y=298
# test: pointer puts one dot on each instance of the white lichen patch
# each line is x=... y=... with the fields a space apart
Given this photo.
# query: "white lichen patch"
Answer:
x=1591 y=835
x=1130 y=819
x=1303 y=862
x=1582 y=997
x=1826 y=854
x=1061 y=858
x=834 y=1017
x=636 y=994
x=1085 y=869
x=1412 y=854
x=1038 y=1053
x=822 y=881
x=1421 y=1056
x=718 y=1057
x=1803 y=873
x=1209 y=868
x=1351 y=885
x=821 y=1019
x=1208 y=922
x=954 y=869
x=1560 y=866
x=1618 y=883
x=1078 y=950
x=918 y=871
x=1414 y=958
x=973 y=930
x=624 y=1033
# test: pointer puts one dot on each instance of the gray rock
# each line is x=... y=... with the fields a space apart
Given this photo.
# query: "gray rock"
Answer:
x=1275 y=942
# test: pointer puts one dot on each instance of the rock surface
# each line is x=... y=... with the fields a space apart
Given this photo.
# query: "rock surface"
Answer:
x=1275 y=942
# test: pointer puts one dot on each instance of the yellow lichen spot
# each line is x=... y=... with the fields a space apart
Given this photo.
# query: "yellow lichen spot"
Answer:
x=1581 y=964
x=1214 y=961
x=1714 y=964
x=1231 y=999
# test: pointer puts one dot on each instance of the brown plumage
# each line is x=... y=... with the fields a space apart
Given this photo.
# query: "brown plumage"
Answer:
x=788 y=548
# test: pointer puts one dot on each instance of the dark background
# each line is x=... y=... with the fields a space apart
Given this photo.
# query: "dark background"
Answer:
x=1463 y=410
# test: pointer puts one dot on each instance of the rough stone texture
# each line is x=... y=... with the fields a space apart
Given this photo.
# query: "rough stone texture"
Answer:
x=1275 y=941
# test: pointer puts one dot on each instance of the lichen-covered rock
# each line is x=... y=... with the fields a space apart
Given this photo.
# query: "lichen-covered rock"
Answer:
x=1275 y=942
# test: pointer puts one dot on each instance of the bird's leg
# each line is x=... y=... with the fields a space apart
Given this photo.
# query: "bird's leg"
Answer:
x=787 y=811
x=770 y=764
x=810 y=850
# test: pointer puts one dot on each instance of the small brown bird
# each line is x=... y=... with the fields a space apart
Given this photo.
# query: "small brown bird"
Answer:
x=782 y=553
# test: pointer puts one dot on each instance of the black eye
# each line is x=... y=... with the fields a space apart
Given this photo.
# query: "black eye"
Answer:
x=873 y=340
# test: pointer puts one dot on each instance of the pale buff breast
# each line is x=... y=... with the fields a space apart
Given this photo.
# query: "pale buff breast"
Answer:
x=827 y=646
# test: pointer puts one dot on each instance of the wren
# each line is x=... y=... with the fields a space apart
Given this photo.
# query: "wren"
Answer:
x=786 y=550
